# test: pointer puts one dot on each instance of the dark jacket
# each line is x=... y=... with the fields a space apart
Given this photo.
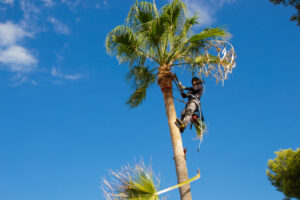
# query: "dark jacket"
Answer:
x=195 y=91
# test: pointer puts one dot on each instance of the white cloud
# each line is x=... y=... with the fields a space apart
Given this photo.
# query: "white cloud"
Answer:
x=205 y=9
x=56 y=72
x=11 y=33
x=202 y=9
x=221 y=2
x=7 y=1
x=18 y=58
x=13 y=56
x=18 y=79
x=48 y=3
x=59 y=27
x=30 y=11
x=72 y=4
x=73 y=77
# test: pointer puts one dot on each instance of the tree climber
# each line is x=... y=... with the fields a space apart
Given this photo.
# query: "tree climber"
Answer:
x=194 y=94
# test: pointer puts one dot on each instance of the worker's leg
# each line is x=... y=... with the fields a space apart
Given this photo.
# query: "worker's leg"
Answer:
x=190 y=108
x=183 y=113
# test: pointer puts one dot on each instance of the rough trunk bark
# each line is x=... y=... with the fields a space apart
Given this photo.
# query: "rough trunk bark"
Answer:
x=165 y=84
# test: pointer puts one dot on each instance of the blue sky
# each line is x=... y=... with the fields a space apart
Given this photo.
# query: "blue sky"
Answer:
x=64 y=122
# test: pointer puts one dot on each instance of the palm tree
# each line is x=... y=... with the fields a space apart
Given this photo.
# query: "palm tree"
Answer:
x=155 y=42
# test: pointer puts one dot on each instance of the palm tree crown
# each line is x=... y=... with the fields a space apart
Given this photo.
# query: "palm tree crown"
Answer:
x=165 y=40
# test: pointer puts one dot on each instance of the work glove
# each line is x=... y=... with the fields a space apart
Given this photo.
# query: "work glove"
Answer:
x=181 y=86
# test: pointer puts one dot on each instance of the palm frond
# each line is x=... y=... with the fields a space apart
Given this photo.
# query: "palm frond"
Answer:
x=209 y=33
x=137 y=97
x=123 y=43
x=140 y=78
x=201 y=128
x=141 y=13
x=137 y=183
x=175 y=12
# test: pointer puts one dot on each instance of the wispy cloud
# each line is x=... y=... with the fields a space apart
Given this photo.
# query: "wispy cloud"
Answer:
x=56 y=72
x=12 y=55
x=7 y=1
x=11 y=33
x=72 y=4
x=30 y=11
x=34 y=83
x=18 y=58
x=105 y=2
x=206 y=9
x=73 y=77
x=18 y=79
x=48 y=3
x=59 y=27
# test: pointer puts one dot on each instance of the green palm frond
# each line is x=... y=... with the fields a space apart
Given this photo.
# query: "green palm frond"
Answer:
x=175 y=13
x=209 y=33
x=188 y=24
x=138 y=96
x=165 y=37
x=140 y=78
x=123 y=43
x=201 y=128
x=141 y=13
x=206 y=59
x=137 y=183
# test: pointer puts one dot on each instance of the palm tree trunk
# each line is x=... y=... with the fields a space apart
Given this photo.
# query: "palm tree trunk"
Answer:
x=180 y=162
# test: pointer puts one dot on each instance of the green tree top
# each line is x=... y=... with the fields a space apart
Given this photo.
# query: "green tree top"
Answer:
x=284 y=172
x=154 y=42
x=293 y=3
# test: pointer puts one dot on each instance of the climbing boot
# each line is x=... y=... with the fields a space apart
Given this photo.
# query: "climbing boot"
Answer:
x=180 y=125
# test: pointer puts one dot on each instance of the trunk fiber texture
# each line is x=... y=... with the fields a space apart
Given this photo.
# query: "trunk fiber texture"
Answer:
x=165 y=84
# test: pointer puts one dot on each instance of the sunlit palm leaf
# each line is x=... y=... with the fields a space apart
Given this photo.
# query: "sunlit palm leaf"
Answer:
x=141 y=78
x=123 y=43
x=209 y=33
x=141 y=13
x=136 y=183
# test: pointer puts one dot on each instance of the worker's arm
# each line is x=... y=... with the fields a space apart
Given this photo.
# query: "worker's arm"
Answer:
x=185 y=95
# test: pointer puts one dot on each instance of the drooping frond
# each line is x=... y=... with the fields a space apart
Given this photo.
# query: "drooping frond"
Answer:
x=141 y=78
x=123 y=43
x=137 y=183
